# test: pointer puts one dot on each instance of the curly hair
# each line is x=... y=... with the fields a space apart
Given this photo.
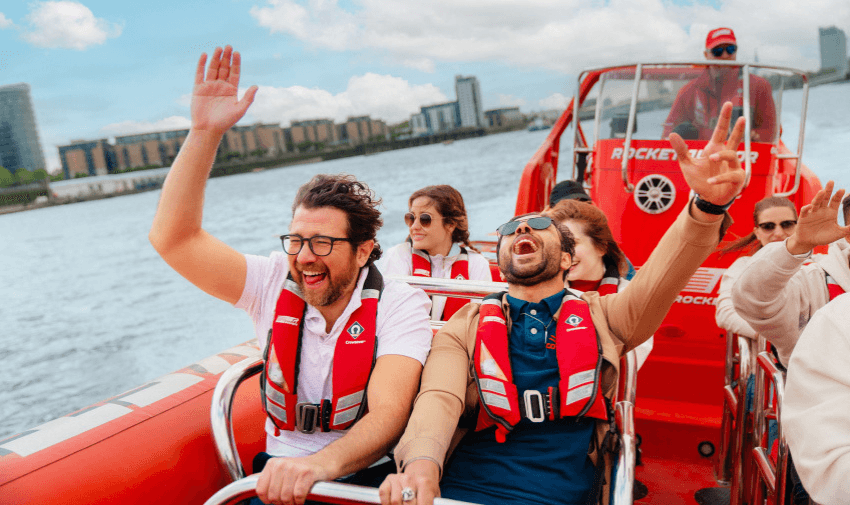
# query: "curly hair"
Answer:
x=595 y=226
x=346 y=193
x=449 y=203
x=751 y=242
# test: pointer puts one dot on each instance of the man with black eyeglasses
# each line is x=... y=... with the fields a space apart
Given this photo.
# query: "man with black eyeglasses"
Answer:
x=515 y=401
x=343 y=349
x=696 y=106
x=784 y=284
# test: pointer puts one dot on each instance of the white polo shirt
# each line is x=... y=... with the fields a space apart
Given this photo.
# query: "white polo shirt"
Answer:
x=402 y=328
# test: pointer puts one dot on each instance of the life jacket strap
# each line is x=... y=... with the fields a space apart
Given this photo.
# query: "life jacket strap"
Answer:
x=539 y=406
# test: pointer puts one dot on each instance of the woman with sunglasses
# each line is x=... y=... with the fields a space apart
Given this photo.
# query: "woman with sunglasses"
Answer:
x=438 y=245
x=775 y=219
x=598 y=263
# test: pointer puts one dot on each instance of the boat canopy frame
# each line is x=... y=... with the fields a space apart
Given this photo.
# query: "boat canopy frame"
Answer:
x=588 y=78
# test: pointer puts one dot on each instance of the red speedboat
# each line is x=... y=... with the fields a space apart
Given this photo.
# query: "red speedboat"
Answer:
x=685 y=436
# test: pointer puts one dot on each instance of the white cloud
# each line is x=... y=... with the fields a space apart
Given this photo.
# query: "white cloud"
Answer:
x=382 y=96
x=561 y=35
x=132 y=127
x=5 y=22
x=511 y=101
x=69 y=25
x=554 y=101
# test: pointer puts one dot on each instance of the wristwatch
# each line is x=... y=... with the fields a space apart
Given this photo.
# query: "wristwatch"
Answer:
x=710 y=208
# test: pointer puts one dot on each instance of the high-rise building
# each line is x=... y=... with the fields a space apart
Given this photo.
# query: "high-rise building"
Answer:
x=469 y=101
x=19 y=145
x=833 y=50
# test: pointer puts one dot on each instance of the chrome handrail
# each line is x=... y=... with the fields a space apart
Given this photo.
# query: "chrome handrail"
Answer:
x=798 y=172
x=624 y=167
x=714 y=63
x=221 y=411
x=746 y=362
x=748 y=162
x=725 y=461
x=451 y=287
x=325 y=492
x=624 y=416
x=769 y=478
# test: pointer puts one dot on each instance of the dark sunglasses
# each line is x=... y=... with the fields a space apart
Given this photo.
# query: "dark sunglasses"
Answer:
x=425 y=219
x=770 y=226
x=718 y=51
x=535 y=223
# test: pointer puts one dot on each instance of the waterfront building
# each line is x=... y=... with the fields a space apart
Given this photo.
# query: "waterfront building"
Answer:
x=360 y=129
x=418 y=125
x=87 y=157
x=833 y=52
x=148 y=149
x=313 y=130
x=505 y=116
x=19 y=143
x=470 y=109
x=441 y=117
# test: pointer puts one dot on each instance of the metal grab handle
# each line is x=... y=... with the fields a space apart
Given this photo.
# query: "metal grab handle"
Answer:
x=624 y=416
x=770 y=478
x=452 y=287
x=326 y=492
x=221 y=416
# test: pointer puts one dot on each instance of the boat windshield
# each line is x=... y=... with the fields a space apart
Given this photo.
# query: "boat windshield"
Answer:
x=685 y=98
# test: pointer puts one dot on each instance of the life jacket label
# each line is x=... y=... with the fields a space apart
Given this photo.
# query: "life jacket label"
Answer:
x=287 y=320
x=355 y=330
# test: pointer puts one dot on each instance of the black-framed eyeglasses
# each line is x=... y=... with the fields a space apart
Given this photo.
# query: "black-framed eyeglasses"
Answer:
x=786 y=225
x=320 y=245
x=535 y=223
x=718 y=51
x=425 y=219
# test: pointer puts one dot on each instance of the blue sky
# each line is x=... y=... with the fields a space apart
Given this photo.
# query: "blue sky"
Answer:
x=99 y=69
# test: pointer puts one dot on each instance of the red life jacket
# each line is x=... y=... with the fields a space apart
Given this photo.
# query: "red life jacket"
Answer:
x=579 y=354
x=354 y=357
x=833 y=287
x=460 y=270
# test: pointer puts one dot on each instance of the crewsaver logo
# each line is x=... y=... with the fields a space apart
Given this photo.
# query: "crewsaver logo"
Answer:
x=460 y=277
x=574 y=320
x=287 y=320
x=355 y=330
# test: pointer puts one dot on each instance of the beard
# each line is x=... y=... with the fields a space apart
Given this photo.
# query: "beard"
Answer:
x=531 y=274
x=334 y=290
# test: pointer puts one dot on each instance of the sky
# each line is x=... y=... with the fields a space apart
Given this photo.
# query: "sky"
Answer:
x=98 y=69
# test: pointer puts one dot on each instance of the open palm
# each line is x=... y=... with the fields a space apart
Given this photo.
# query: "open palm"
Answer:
x=716 y=176
x=215 y=106
x=818 y=222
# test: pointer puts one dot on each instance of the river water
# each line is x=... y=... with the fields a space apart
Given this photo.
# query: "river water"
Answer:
x=89 y=310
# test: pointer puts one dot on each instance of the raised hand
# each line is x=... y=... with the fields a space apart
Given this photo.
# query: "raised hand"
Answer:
x=818 y=222
x=215 y=106
x=717 y=177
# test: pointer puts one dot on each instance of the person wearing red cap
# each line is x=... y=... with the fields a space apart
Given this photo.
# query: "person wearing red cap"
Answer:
x=699 y=101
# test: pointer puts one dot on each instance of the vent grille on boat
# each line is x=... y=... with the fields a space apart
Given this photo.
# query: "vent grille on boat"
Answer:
x=655 y=194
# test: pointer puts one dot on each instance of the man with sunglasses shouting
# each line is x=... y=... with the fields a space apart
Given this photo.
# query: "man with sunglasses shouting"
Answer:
x=518 y=388
x=781 y=288
x=335 y=337
x=696 y=106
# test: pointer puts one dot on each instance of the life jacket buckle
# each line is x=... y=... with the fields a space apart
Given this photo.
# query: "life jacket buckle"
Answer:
x=535 y=406
x=306 y=417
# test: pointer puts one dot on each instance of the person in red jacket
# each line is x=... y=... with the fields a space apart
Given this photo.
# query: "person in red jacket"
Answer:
x=698 y=103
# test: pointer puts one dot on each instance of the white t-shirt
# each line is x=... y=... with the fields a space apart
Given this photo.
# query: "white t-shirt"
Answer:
x=402 y=328
x=399 y=261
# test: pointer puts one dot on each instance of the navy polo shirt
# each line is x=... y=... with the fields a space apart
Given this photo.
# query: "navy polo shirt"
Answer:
x=539 y=462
